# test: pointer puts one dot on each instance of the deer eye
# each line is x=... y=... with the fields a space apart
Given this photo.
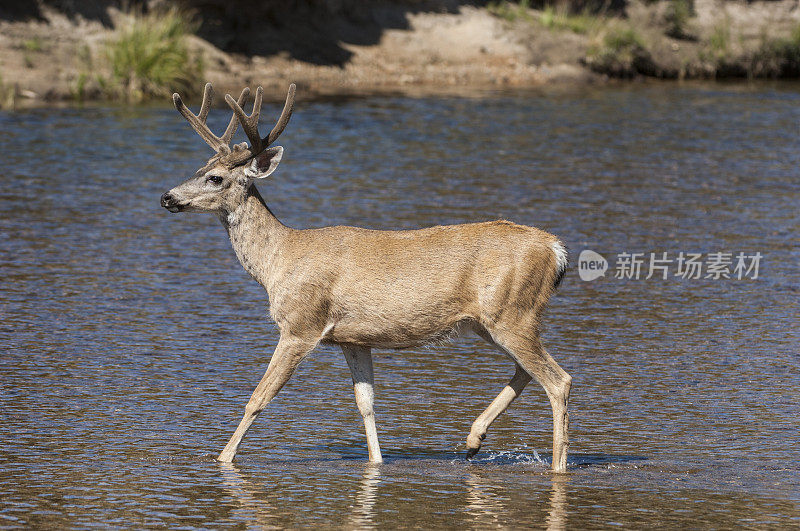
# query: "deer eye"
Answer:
x=216 y=179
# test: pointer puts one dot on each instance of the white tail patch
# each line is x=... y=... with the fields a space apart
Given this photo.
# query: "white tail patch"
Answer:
x=561 y=260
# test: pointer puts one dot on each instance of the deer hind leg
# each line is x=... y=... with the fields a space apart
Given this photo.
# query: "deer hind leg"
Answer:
x=359 y=359
x=535 y=360
x=495 y=409
x=287 y=356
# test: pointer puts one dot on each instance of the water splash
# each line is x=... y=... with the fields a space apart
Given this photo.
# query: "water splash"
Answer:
x=524 y=455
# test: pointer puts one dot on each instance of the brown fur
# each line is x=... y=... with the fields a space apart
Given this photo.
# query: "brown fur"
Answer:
x=364 y=289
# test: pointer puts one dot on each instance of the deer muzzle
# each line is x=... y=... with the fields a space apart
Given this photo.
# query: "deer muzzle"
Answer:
x=168 y=201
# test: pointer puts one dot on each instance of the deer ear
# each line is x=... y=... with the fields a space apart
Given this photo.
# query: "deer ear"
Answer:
x=264 y=163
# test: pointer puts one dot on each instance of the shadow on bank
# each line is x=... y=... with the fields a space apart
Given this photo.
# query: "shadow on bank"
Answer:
x=313 y=31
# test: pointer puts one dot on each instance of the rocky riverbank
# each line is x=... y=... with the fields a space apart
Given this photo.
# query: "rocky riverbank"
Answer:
x=57 y=55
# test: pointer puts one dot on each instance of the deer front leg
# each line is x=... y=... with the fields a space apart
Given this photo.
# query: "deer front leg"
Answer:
x=288 y=354
x=360 y=361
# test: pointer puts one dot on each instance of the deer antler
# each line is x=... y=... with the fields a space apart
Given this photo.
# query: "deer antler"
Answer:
x=198 y=121
x=240 y=152
x=250 y=122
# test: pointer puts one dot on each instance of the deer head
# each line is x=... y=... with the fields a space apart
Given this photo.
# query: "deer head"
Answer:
x=222 y=183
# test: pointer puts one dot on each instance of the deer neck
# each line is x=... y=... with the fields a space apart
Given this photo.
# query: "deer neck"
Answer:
x=256 y=235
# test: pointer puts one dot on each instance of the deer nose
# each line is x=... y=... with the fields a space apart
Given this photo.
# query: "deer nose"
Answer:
x=166 y=199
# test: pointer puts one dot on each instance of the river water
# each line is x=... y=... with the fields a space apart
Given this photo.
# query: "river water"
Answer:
x=131 y=338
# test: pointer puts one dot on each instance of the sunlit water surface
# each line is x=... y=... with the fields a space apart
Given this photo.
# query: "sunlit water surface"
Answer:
x=131 y=338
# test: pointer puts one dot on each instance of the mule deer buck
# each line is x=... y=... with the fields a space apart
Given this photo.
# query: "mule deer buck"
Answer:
x=363 y=289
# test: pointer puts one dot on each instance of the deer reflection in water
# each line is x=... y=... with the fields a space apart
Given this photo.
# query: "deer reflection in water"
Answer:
x=243 y=490
x=487 y=503
x=488 y=506
x=363 y=512
x=256 y=507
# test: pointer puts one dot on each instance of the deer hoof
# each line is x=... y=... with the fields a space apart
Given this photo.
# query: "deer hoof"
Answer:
x=473 y=445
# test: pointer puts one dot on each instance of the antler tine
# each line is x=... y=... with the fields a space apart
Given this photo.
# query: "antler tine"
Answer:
x=286 y=114
x=234 y=123
x=249 y=123
x=208 y=96
x=198 y=121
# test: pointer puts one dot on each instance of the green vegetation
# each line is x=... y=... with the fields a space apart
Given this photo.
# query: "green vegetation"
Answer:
x=30 y=47
x=773 y=57
x=777 y=57
x=677 y=19
x=8 y=95
x=79 y=89
x=33 y=45
x=618 y=49
x=622 y=40
x=560 y=18
x=509 y=11
x=622 y=54
x=149 y=57
x=720 y=41
x=721 y=54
